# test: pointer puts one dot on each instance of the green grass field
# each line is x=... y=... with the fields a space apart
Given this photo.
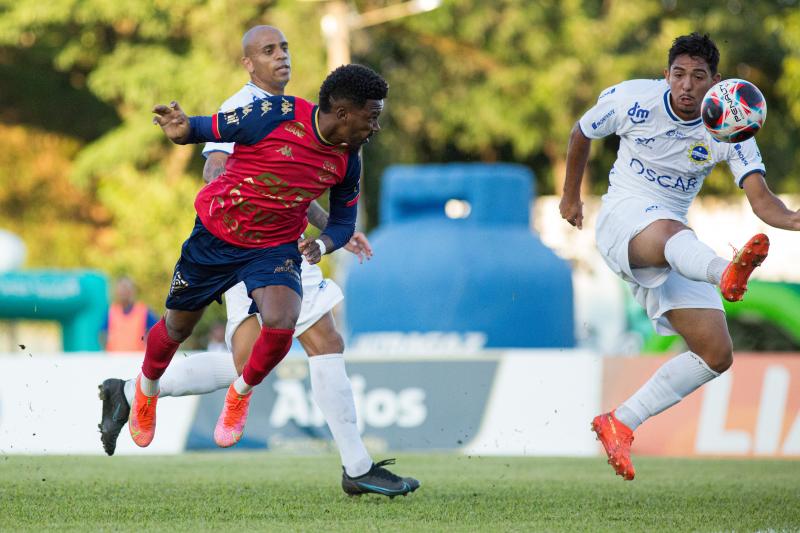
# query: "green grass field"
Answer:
x=261 y=491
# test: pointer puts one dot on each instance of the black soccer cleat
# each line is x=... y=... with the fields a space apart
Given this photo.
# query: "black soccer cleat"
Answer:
x=379 y=480
x=115 y=412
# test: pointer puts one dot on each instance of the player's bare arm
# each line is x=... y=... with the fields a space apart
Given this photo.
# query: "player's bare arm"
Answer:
x=173 y=121
x=767 y=206
x=214 y=166
x=317 y=216
x=571 y=206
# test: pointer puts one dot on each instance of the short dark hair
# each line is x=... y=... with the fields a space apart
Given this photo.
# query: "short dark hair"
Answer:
x=353 y=82
x=695 y=45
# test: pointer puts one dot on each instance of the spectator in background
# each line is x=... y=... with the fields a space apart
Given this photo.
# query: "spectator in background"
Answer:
x=216 y=338
x=128 y=321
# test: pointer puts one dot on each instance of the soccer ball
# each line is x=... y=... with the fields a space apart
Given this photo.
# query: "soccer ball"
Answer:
x=733 y=110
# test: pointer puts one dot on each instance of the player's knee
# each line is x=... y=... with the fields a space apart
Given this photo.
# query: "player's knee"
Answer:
x=240 y=359
x=722 y=363
x=719 y=358
x=279 y=322
x=178 y=331
x=334 y=343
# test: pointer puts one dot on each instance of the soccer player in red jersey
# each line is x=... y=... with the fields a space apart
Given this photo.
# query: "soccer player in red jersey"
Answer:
x=266 y=57
x=288 y=152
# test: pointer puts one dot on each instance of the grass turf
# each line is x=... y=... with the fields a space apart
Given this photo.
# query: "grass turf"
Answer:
x=262 y=491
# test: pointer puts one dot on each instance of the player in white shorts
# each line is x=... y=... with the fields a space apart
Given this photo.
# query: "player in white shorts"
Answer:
x=266 y=58
x=665 y=154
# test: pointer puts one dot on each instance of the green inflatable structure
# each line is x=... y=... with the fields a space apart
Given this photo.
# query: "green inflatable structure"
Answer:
x=76 y=299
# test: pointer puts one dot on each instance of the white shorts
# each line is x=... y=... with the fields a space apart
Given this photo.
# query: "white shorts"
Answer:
x=657 y=289
x=319 y=297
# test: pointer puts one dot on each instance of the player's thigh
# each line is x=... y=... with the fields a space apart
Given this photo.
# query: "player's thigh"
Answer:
x=273 y=282
x=243 y=339
x=278 y=305
x=322 y=337
x=647 y=248
x=706 y=334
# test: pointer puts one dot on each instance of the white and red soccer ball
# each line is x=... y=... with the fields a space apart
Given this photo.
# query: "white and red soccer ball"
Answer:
x=733 y=110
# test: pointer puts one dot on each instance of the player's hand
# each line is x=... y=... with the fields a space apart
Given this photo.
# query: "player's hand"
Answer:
x=572 y=211
x=173 y=121
x=359 y=246
x=310 y=250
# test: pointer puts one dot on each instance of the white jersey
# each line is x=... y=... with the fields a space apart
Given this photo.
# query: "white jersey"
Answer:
x=661 y=157
x=247 y=94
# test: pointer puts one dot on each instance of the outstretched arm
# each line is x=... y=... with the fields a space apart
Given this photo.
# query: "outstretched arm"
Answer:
x=173 y=121
x=571 y=206
x=767 y=206
x=244 y=125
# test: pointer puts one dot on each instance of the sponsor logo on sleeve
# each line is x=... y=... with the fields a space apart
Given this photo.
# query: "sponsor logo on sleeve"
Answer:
x=286 y=106
x=606 y=93
x=602 y=120
x=740 y=153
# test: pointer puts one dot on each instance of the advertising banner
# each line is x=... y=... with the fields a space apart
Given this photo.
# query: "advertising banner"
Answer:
x=401 y=405
x=753 y=409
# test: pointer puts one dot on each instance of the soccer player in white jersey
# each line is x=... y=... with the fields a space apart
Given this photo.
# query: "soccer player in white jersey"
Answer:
x=664 y=155
x=266 y=58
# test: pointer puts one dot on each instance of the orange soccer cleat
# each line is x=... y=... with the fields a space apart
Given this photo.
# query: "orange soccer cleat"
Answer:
x=142 y=422
x=230 y=425
x=734 y=279
x=616 y=438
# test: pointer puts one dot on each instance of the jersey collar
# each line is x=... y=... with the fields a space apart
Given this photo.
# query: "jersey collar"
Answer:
x=259 y=91
x=315 y=125
x=674 y=117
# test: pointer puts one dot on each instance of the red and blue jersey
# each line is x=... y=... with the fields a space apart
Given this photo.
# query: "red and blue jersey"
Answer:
x=280 y=163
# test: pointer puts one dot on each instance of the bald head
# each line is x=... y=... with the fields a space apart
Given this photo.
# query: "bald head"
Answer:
x=253 y=35
x=266 y=58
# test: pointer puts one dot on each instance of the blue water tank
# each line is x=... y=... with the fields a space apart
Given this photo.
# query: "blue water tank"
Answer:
x=454 y=253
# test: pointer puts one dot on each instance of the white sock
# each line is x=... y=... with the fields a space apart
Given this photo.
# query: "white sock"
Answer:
x=241 y=386
x=149 y=386
x=198 y=374
x=333 y=393
x=670 y=384
x=693 y=259
x=130 y=390
x=715 y=270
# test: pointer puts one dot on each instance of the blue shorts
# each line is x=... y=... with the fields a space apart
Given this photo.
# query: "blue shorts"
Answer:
x=209 y=266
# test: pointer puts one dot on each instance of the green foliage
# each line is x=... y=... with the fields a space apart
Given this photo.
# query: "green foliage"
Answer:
x=240 y=491
x=472 y=80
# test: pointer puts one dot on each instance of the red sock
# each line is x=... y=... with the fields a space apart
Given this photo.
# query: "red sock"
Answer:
x=269 y=350
x=159 y=351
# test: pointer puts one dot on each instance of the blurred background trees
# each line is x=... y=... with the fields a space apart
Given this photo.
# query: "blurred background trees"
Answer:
x=87 y=180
